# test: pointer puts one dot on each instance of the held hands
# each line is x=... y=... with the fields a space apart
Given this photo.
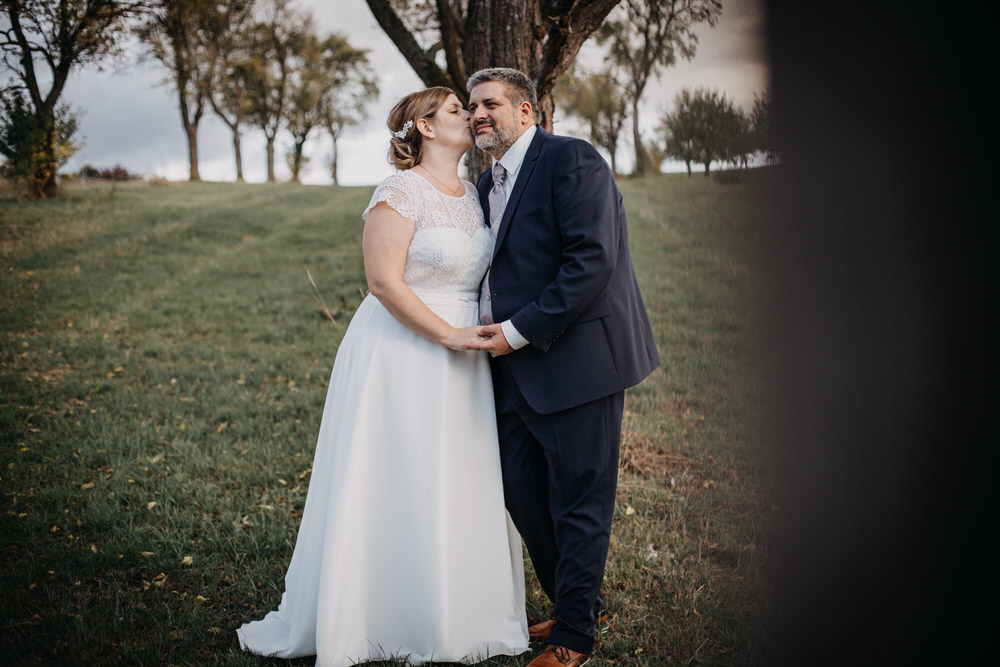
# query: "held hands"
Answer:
x=486 y=338
x=491 y=339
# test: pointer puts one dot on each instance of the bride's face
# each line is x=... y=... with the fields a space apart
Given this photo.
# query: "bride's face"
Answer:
x=451 y=123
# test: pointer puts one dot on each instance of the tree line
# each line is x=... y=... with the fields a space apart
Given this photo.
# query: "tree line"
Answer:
x=641 y=39
x=254 y=63
x=259 y=63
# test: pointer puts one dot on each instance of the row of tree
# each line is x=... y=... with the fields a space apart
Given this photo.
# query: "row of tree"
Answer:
x=253 y=63
x=258 y=62
x=705 y=126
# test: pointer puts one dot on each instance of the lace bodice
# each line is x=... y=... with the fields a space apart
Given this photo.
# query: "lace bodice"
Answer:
x=451 y=245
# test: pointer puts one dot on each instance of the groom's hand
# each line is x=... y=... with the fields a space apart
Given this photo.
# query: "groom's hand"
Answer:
x=493 y=341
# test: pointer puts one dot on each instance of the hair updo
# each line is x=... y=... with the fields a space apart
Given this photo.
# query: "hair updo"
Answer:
x=406 y=152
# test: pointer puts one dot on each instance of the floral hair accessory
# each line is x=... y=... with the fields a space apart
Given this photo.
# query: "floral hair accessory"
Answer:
x=401 y=134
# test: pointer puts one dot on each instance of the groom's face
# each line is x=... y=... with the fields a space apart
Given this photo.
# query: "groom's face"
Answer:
x=495 y=121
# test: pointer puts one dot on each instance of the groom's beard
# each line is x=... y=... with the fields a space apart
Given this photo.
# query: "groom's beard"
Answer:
x=497 y=142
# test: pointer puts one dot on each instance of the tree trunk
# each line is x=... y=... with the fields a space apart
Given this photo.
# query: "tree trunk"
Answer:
x=641 y=159
x=614 y=164
x=490 y=41
x=333 y=162
x=476 y=162
x=192 y=137
x=190 y=130
x=706 y=168
x=238 y=153
x=270 y=158
x=687 y=163
x=43 y=181
x=297 y=160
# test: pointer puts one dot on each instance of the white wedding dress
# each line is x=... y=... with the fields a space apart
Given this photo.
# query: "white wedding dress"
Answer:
x=405 y=549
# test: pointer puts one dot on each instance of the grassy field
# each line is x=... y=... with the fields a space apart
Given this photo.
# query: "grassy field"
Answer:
x=162 y=378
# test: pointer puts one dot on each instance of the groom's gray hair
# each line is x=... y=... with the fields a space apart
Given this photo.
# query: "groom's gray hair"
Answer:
x=519 y=87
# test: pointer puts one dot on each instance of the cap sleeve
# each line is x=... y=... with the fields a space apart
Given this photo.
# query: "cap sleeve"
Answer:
x=395 y=192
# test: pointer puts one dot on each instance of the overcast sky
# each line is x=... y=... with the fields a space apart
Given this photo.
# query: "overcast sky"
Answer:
x=129 y=117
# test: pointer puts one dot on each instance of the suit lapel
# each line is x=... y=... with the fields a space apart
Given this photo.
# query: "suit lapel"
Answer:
x=523 y=176
x=484 y=195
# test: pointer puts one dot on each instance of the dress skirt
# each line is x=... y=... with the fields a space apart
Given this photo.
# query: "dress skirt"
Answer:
x=405 y=549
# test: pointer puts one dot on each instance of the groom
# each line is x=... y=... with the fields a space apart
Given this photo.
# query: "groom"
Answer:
x=567 y=328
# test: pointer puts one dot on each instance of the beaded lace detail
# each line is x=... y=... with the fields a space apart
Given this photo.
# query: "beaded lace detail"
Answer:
x=451 y=245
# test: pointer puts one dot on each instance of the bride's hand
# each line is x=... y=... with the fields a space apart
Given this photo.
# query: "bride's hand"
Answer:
x=466 y=338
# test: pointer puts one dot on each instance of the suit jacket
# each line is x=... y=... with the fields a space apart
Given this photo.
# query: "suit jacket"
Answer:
x=562 y=273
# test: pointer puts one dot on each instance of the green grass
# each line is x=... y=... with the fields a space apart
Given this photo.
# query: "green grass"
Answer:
x=162 y=380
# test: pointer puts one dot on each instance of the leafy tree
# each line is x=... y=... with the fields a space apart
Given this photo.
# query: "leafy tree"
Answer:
x=273 y=44
x=705 y=127
x=23 y=138
x=647 y=35
x=596 y=99
x=343 y=109
x=41 y=43
x=445 y=41
x=737 y=138
x=345 y=103
x=188 y=37
x=318 y=72
x=680 y=131
x=229 y=97
x=761 y=128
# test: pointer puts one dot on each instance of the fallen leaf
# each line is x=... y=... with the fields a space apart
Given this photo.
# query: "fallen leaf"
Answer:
x=147 y=554
x=200 y=598
x=88 y=485
x=187 y=560
x=151 y=504
x=221 y=427
x=629 y=510
x=215 y=630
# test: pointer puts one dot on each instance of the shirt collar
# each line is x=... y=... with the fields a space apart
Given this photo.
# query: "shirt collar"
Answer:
x=514 y=156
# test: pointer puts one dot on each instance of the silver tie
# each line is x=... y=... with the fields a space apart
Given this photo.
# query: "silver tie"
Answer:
x=496 y=200
x=496 y=197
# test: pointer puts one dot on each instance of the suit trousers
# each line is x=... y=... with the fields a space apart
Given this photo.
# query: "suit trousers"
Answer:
x=560 y=474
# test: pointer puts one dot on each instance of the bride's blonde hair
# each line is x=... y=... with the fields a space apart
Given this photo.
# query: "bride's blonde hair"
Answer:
x=406 y=143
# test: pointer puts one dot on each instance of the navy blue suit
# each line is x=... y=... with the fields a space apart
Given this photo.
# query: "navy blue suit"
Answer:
x=562 y=273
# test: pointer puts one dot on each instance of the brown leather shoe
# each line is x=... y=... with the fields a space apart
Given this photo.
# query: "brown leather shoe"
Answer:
x=539 y=632
x=559 y=656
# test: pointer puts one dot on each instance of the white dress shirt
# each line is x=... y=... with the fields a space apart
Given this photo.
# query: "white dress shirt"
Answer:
x=511 y=162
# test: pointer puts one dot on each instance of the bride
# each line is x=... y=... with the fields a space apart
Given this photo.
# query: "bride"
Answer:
x=405 y=549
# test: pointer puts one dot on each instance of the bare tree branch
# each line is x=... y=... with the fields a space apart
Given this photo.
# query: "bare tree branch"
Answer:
x=421 y=61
